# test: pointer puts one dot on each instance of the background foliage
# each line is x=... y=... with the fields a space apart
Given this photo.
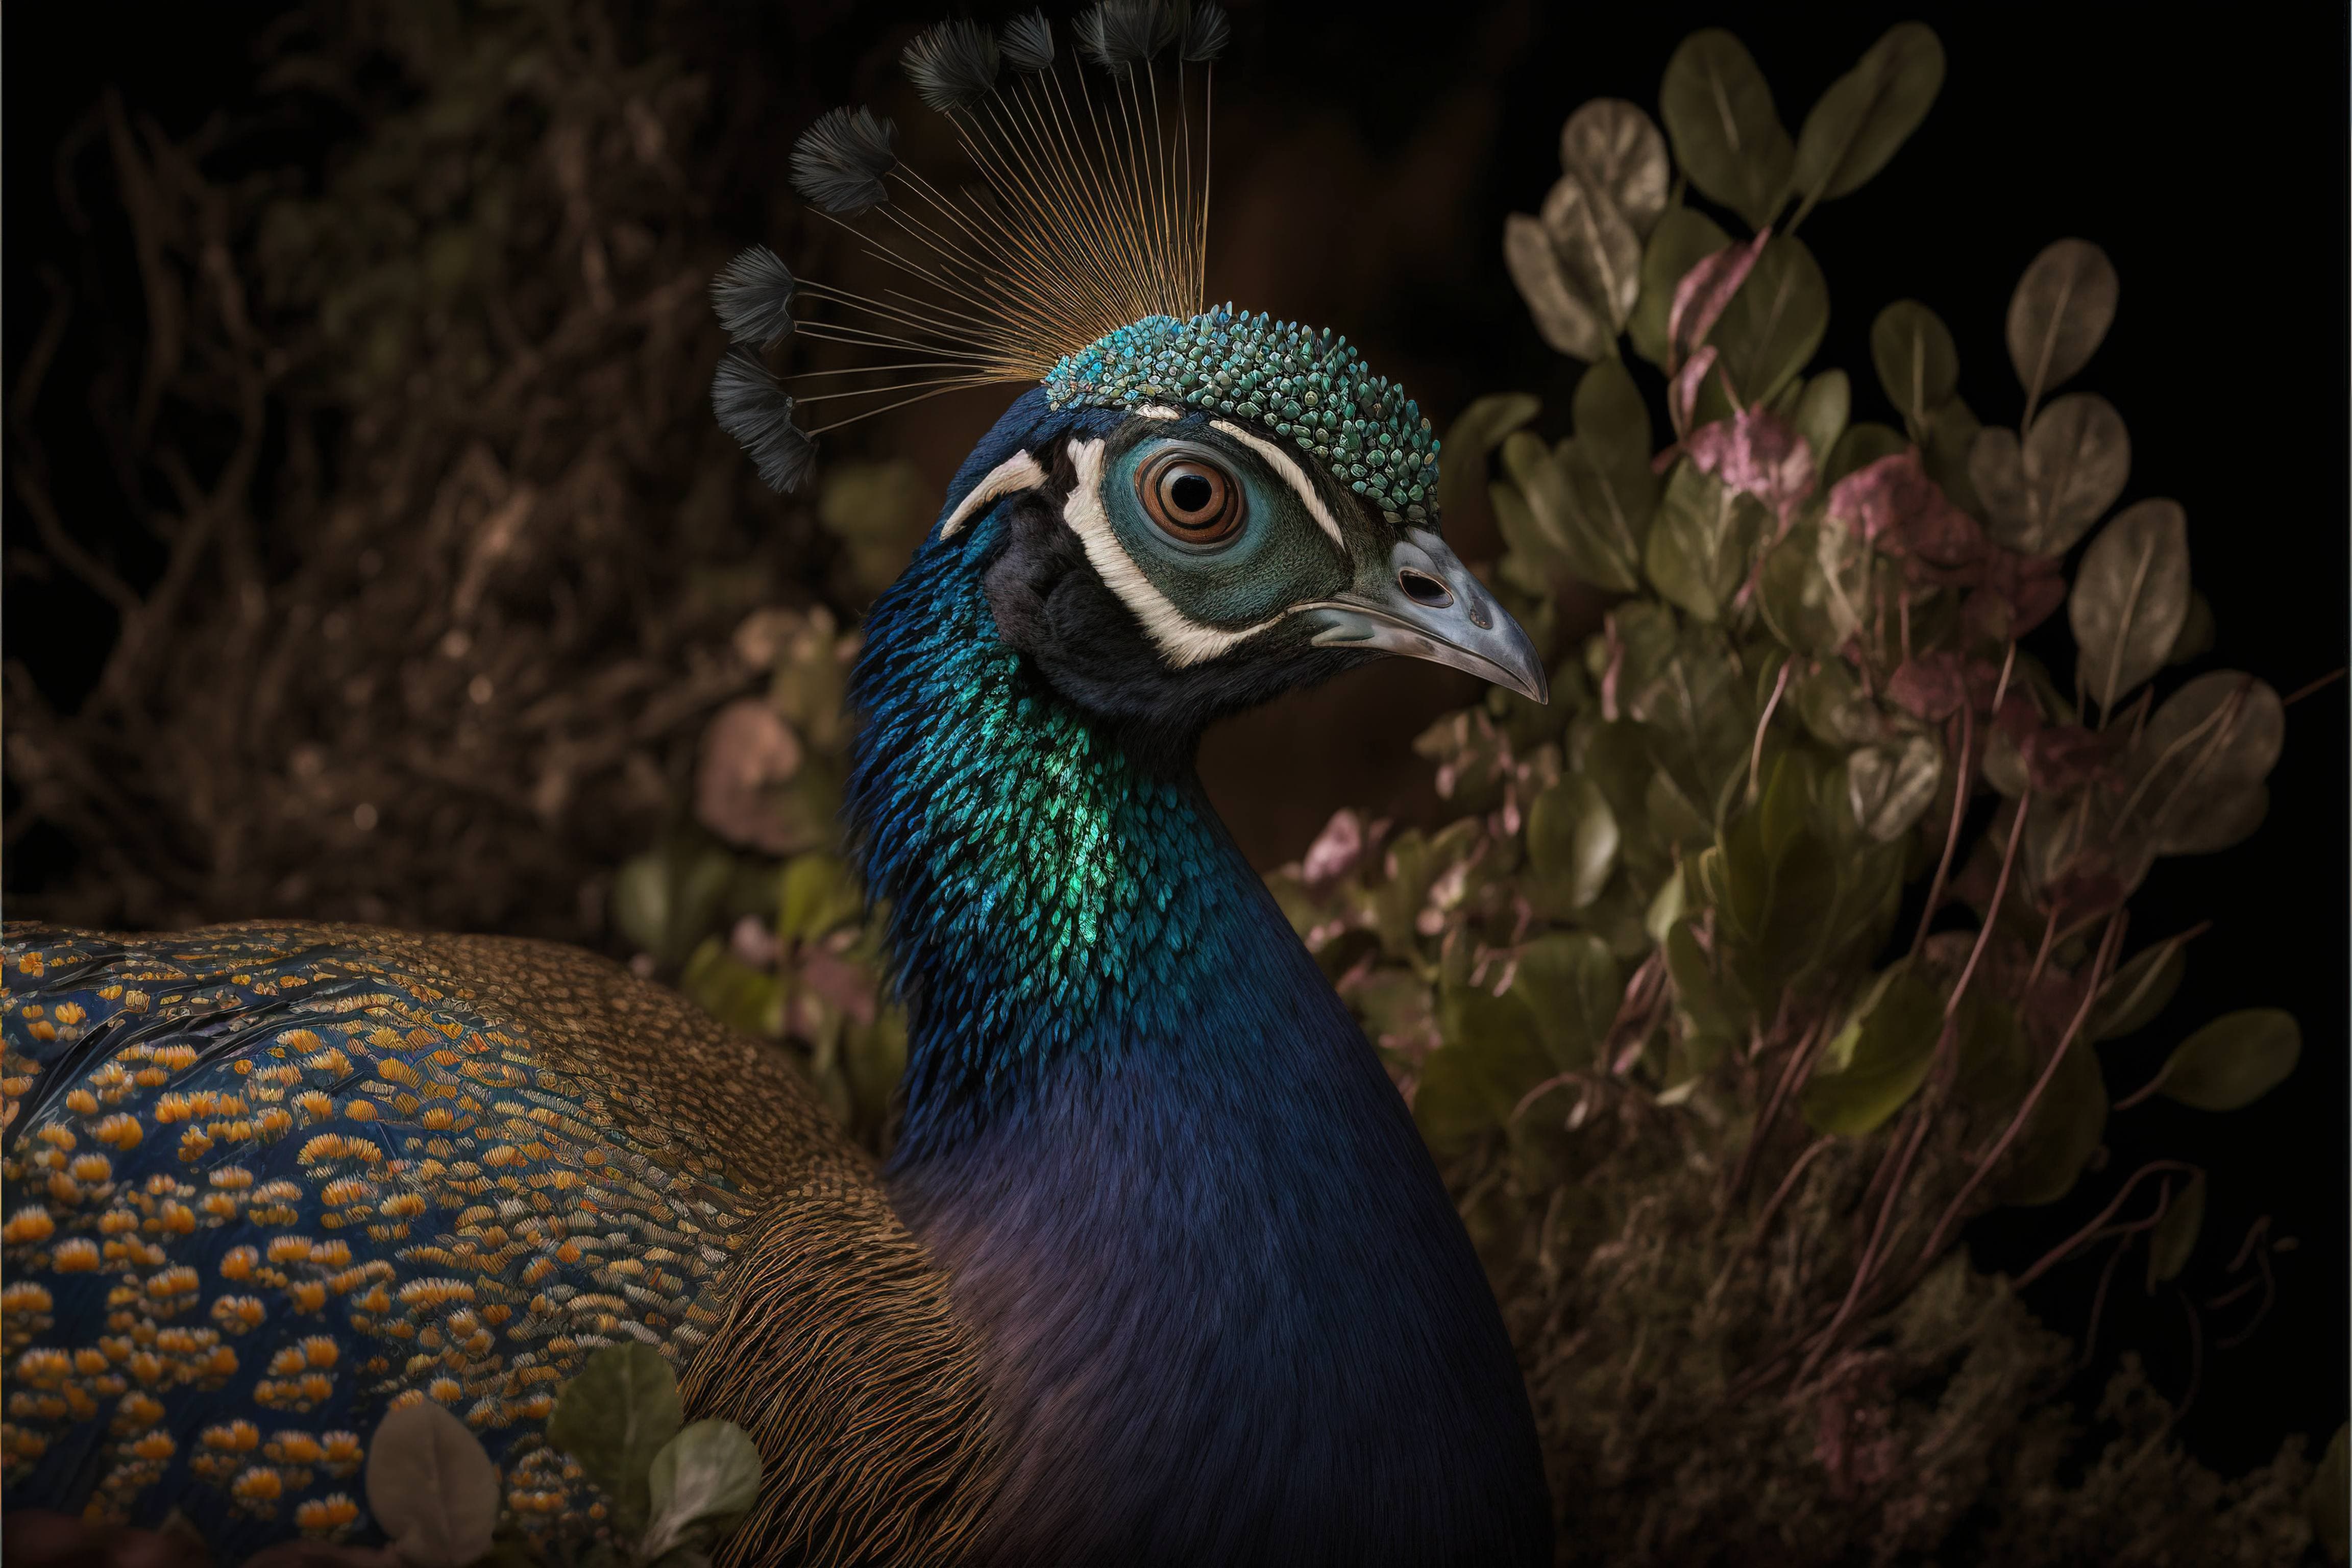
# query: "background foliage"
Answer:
x=385 y=341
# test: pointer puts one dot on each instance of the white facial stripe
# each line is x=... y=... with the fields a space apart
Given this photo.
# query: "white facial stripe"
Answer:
x=1289 y=470
x=1158 y=411
x=1182 y=641
x=1017 y=472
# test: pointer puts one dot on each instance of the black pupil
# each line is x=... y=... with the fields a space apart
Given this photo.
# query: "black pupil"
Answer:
x=1191 y=493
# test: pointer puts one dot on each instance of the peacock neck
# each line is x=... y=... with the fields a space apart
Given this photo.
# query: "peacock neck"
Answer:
x=1172 y=1187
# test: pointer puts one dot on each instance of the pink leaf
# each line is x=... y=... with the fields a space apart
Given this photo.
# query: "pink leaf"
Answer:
x=1932 y=688
x=2019 y=593
x=1682 y=392
x=848 y=987
x=1335 y=851
x=1703 y=294
x=747 y=752
x=1756 y=453
x=2064 y=758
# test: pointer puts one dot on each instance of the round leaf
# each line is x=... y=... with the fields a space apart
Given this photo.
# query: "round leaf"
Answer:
x=1774 y=324
x=614 y=1418
x=1568 y=322
x=1598 y=250
x=702 y=1481
x=432 y=1488
x=1618 y=151
x=1917 y=361
x=1868 y=112
x=1697 y=550
x=2130 y=600
x=1881 y=1057
x=2042 y=494
x=2062 y=308
x=1477 y=431
x=2234 y=1060
x=2058 y=1140
x=2176 y=1232
x=1889 y=786
x=1727 y=135
x=2196 y=638
x=1569 y=984
x=1822 y=412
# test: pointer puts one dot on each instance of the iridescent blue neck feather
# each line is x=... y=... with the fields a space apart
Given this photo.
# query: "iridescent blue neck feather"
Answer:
x=1231 y=1315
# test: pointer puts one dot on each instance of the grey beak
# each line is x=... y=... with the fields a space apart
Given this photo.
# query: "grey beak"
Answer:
x=1425 y=604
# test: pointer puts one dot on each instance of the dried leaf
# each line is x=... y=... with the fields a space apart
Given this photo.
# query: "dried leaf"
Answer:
x=1868 y=113
x=1682 y=239
x=1727 y=135
x=702 y=1481
x=432 y=1488
x=2130 y=600
x=2176 y=1232
x=1477 y=431
x=614 y=1418
x=2210 y=743
x=1600 y=253
x=2196 y=638
x=2234 y=1060
x=2224 y=822
x=1917 y=361
x=2062 y=308
x=1619 y=152
x=2042 y=496
x=1569 y=323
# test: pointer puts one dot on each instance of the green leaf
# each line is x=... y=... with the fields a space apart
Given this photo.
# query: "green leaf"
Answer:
x=1868 y=113
x=614 y=1418
x=818 y=894
x=1475 y=432
x=1684 y=237
x=1822 y=412
x=1888 y=787
x=732 y=991
x=1917 y=361
x=2176 y=1232
x=1492 y=1056
x=1698 y=546
x=1617 y=149
x=2234 y=1060
x=1613 y=423
x=1712 y=997
x=1598 y=251
x=1570 y=984
x=2059 y=1138
x=2130 y=600
x=2139 y=991
x=666 y=900
x=1944 y=451
x=432 y=1488
x=1801 y=605
x=1569 y=322
x=1881 y=1057
x=1773 y=325
x=1995 y=1062
x=1572 y=841
x=2062 y=308
x=703 y=1482
x=1727 y=135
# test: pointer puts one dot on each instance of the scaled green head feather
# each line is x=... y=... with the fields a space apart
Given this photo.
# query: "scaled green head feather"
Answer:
x=1311 y=388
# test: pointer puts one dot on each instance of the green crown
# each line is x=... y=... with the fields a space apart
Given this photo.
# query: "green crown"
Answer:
x=1307 y=386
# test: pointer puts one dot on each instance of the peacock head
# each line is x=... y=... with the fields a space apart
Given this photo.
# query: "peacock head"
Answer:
x=1199 y=508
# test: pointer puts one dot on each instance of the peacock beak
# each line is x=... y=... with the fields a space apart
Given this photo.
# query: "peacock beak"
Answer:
x=1426 y=603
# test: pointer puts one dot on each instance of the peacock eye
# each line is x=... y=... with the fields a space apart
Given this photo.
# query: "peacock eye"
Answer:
x=1192 y=500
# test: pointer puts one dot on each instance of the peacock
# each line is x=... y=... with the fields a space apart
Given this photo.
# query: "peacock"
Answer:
x=1158 y=1270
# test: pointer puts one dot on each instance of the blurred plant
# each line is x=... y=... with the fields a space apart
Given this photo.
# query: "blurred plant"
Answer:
x=1716 y=1119
x=751 y=911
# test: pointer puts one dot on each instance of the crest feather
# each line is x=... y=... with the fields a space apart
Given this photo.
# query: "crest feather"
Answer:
x=753 y=297
x=952 y=65
x=1027 y=43
x=1207 y=30
x=838 y=163
x=1120 y=35
x=755 y=410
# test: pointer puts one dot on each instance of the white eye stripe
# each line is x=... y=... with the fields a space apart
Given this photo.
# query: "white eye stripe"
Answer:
x=1182 y=641
x=1017 y=472
x=1283 y=464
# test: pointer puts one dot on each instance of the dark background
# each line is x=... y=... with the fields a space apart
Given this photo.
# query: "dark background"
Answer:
x=1365 y=162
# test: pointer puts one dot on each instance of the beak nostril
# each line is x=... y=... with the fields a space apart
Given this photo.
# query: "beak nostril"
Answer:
x=1424 y=589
